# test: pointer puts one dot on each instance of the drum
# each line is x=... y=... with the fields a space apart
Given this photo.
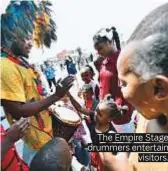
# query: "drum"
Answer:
x=64 y=122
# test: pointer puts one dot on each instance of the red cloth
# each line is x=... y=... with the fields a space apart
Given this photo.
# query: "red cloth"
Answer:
x=11 y=159
x=96 y=161
x=109 y=77
x=40 y=88
x=88 y=104
x=109 y=84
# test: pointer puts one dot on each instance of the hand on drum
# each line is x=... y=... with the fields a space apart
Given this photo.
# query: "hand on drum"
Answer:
x=63 y=86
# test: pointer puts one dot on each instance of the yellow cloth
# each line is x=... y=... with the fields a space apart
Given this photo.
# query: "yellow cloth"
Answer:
x=17 y=84
x=145 y=166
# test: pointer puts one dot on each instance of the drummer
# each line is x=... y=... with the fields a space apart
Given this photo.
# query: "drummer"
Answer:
x=20 y=95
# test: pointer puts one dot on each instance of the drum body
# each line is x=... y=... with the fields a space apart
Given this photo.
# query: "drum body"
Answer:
x=64 y=122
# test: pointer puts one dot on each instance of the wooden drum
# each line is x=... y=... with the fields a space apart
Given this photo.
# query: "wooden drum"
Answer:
x=64 y=122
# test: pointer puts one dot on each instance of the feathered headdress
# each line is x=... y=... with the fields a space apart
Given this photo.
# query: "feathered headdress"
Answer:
x=24 y=17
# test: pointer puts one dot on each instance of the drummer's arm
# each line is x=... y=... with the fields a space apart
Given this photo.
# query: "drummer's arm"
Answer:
x=20 y=109
x=77 y=106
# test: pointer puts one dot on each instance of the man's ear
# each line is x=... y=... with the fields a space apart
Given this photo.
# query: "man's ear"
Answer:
x=161 y=87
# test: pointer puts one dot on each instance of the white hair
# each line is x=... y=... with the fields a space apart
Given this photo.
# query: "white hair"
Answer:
x=150 y=53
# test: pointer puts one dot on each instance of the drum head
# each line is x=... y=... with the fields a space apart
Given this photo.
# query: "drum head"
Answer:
x=67 y=115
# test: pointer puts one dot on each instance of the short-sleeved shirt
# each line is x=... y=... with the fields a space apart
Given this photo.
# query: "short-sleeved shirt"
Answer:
x=17 y=84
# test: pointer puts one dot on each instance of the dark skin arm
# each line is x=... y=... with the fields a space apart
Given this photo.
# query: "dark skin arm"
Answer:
x=15 y=132
x=18 y=110
x=77 y=106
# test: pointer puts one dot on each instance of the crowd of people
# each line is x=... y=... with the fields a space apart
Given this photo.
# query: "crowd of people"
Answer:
x=130 y=94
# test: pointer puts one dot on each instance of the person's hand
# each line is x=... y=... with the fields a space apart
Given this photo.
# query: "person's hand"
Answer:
x=17 y=130
x=115 y=163
x=63 y=86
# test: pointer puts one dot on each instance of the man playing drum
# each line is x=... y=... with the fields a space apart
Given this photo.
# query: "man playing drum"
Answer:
x=19 y=92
